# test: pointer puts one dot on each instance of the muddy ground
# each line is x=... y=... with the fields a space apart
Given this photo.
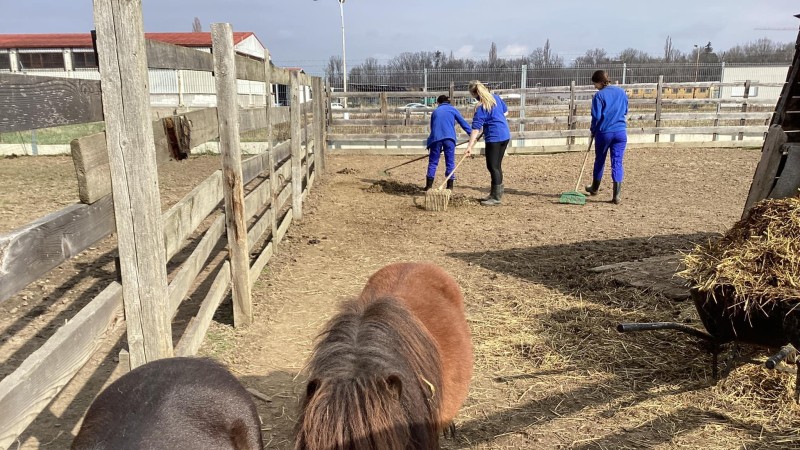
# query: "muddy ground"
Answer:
x=550 y=369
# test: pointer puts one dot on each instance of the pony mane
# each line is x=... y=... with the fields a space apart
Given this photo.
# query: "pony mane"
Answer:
x=375 y=382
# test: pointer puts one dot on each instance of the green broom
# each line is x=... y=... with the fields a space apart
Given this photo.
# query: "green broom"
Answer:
x=575 y=197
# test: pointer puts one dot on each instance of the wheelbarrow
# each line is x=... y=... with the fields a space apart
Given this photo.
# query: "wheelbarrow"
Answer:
x=775 y=325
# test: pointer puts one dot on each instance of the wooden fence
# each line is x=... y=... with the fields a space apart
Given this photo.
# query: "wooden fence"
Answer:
x=553 y=117
x=121 y=163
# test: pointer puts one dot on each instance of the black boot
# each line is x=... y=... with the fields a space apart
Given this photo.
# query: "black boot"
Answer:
x=592 y=190
x=450 y=184
x=617 y=189
x=428 y=183
x=494 y=197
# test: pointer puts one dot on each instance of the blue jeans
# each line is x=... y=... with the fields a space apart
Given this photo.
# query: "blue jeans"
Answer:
x=449 y=148
x=616 y=142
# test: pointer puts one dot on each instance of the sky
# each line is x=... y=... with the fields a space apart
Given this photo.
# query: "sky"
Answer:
x=305 y=33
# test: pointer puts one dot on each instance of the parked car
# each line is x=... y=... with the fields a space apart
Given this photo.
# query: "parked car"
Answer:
x=337 y=106
x=413 y=106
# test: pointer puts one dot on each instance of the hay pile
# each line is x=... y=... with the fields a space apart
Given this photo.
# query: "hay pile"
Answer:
x=758 y=258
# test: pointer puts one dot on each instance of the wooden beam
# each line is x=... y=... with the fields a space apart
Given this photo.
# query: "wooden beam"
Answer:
x=183 y=218
x=271 y=111
x=284 y=226
x=254 y=166
x=260 y=227
x=134 y=178
x=161 y=55
x=90 y=153
x=195 y=263
x=261 y=261
x=29 y=102
x=257 y=199
x=233 y=187
x=788 y=180
x=37 y=381
x=280 y=76
x=249 y=68
x=28 y=253
x=252 y=119
x=659 y=102
x=297 y=156
x=767 y=169
x=198 y=326
x=279 y=114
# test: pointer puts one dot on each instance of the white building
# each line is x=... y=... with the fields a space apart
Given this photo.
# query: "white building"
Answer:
x=72 y=56
x=764 y=74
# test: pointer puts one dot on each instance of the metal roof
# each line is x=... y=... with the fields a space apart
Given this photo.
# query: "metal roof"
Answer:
x=72 y=40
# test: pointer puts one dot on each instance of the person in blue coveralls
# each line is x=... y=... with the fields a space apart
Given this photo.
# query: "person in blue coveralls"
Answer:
x=609 y=128
x=490 y=115
x=443 y=139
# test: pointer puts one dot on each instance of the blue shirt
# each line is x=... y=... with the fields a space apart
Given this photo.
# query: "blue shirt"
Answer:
x=494 y=123
x=609 y=107
x=443 y=120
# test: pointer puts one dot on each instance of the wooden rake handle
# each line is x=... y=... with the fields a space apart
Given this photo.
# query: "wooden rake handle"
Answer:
x=459 y=163
x=585 y=158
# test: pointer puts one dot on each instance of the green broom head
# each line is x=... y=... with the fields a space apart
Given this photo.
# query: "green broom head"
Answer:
x=572 y=198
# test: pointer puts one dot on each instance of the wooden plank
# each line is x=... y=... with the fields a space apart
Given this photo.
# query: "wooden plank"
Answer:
x=284 y=227
x=252 y=119
x=233 y=186
x=319 y=121
x=134 y=178
x=184 y=217
x=29 y=102
x=249 y=68
x=90 y=155
x=195 y=263
x=261 y=261
x=280 y=76
x=28 y=253
x=260 y=227
x=161 y=55
x=254 y=166
x=257 y=199
x=282 y=152
x=767 y=169
x=283 y=197
x=744 y=105
x=270 y=112
x=789 y=177
x=198 y=326
x=297 y=156
x=28 y=390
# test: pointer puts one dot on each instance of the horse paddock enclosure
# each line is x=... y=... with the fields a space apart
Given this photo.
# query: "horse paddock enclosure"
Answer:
x=550 y=369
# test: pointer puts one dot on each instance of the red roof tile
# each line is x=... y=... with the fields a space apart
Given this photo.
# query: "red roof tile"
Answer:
x=65 y=40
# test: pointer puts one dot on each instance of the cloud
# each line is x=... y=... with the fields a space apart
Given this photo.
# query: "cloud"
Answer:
x=513 y=50
x=465 y=51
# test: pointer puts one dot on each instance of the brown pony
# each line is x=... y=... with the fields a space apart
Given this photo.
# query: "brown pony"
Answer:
x=172 y=403
x=392 y=368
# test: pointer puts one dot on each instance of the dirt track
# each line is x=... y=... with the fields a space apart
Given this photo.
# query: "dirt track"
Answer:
x=551 y=372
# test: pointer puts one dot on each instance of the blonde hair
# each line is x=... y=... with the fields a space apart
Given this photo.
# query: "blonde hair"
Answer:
x=484 y=96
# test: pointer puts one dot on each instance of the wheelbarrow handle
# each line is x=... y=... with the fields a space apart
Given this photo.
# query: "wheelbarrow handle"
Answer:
x=775 y=359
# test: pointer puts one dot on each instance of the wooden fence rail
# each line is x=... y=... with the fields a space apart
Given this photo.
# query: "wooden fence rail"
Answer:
x=278 y=182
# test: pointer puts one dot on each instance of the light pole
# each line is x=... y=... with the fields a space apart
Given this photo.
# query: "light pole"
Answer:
x=344 y=53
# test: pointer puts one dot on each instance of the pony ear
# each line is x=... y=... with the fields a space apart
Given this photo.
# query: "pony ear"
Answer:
x=311 y=388
x=395 y=384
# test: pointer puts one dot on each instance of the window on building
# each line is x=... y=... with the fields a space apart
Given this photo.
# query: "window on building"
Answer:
x=648 y=91
x=703 y=90
x=5 y=61
x=41 y=60
x=83 y=60
x=674 y=90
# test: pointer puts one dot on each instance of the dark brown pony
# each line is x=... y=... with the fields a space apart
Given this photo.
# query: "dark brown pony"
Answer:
x=173 y=403
x=392 y=368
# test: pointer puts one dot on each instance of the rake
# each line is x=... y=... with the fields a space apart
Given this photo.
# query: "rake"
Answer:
x=574 y=197
x=437 y=199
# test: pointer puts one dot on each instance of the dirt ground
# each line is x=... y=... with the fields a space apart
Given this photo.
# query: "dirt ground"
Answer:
x=550 y=369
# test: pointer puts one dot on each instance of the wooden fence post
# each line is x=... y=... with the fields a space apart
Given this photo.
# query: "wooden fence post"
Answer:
x=228 y=117
x=523 y=84
x=297 y=164
x=746 y=95
x=273 y=182
x=659 y=96
x=134 y=178
x=385 y=117
x=319 y=122
x=572 y=112
x=305 y=137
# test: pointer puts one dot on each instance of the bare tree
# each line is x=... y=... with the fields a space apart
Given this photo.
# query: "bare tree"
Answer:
x=196 y=25
x=493 y=55
x=593 y=57
x=669 y=50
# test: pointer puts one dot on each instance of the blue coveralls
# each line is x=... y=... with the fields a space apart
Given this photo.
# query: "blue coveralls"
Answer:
x=609 y=107
x=443 y=138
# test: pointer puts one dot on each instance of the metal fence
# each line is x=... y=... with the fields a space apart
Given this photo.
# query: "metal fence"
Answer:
x=522 y=77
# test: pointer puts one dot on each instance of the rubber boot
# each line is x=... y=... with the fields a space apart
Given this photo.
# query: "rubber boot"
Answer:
x=495 y=197
x=617 y=190
x=595 y=186
x=450 y=184
x=428 y=183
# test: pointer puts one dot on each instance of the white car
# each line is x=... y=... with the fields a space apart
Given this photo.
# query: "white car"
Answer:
x=413 y=106
x=337 y=106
